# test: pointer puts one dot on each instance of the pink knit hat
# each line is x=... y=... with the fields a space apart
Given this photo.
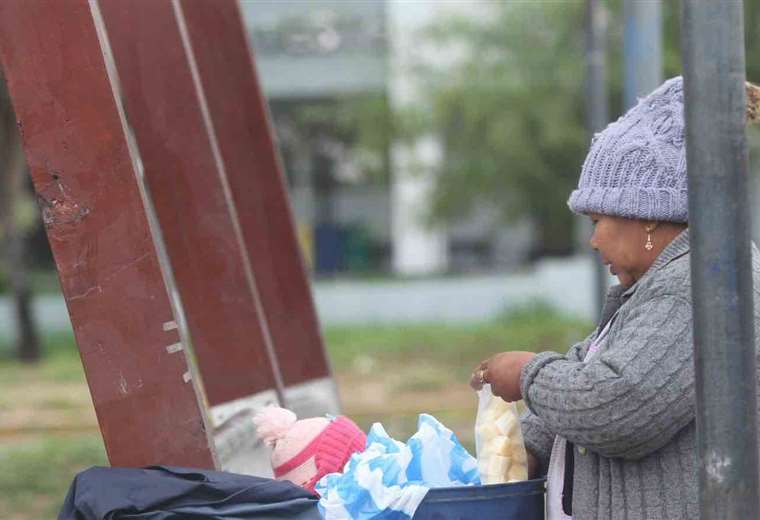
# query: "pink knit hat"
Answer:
x=305 y=451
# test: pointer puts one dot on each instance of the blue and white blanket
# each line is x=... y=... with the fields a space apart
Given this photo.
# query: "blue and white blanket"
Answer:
x=389 y=479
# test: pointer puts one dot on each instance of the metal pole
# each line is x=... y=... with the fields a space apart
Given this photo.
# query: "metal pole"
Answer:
x=642 y=48
x=596 y=106
x=713 y=59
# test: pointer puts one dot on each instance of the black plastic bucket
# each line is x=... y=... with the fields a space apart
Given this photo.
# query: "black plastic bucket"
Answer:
x=516 y=501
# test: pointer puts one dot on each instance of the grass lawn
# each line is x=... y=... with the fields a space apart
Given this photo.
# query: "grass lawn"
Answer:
x=48 y=430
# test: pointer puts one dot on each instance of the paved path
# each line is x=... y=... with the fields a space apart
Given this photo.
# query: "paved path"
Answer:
x=563 y=283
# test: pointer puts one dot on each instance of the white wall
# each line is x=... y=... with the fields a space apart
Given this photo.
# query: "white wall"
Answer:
x=417 y=247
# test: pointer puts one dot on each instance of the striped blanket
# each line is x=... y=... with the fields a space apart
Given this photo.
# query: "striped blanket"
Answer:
x=389 y=479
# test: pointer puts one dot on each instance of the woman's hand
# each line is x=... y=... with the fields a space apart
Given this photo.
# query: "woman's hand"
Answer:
x=502 y=372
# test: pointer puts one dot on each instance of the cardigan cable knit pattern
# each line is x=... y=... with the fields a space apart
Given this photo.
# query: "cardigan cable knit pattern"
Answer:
x=630 y=410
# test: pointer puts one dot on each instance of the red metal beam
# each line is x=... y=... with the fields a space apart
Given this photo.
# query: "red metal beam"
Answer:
x=240 y=124
x=192 y=200
x=83 y=170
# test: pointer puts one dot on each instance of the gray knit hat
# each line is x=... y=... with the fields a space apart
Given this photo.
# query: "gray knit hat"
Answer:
x=636 y=167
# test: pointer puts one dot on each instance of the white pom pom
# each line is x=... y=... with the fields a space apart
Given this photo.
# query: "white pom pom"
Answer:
x=272 y=423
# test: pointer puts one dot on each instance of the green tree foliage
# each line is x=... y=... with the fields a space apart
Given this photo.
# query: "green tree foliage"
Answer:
x=510 y=106
x=509 y=103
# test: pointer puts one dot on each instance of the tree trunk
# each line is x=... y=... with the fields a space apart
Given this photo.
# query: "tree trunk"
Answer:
x=27 y=343
x=12 y=186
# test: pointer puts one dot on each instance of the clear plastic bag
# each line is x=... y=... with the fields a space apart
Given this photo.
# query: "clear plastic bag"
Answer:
x=498 y=440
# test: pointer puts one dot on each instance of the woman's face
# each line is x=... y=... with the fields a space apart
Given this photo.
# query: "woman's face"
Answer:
x=620 y=242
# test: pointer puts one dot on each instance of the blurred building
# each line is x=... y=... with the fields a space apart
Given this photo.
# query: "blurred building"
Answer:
x=315 y=58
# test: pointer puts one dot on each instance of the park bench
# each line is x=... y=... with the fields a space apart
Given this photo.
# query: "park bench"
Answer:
x=164 y=201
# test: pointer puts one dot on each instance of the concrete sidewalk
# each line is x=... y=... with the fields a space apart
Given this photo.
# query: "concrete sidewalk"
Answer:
x=563 y=283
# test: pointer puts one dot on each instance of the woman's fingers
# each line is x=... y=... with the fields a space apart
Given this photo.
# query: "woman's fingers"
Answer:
x=478 y=378
x=504 y=374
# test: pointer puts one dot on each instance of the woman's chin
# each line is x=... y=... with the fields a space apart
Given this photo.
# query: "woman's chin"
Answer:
x=625 y=281
x=623 y=278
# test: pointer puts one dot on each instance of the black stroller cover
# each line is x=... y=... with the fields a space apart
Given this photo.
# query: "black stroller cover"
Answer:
x=172 y=493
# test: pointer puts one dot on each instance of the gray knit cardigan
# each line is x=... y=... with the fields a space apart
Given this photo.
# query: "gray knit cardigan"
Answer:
x=630 y=410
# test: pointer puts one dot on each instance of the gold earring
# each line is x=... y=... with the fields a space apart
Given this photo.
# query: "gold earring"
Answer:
x=649 y=245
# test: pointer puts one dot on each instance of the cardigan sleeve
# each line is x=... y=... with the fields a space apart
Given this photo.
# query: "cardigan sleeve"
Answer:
x=538 y=439
x=631 y=398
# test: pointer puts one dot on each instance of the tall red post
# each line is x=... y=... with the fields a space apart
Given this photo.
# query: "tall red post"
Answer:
x=87 y=177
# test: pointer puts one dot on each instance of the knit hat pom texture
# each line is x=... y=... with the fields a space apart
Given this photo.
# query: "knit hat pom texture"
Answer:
x=272 y=423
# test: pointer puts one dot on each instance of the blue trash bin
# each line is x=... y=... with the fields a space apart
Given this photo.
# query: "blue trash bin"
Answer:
x=515 y=501
x=330 y=245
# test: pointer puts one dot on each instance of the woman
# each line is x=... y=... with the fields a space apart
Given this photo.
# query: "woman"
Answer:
x=611 y=423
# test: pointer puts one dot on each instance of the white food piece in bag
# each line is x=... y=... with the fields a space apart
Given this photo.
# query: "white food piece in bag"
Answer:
x=501 y=452
x=507 y=424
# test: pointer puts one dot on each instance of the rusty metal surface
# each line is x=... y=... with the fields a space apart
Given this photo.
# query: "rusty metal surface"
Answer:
x=99 y=234
x=186 y=186
x=240 y=120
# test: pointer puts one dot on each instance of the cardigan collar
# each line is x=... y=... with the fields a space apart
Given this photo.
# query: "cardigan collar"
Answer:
x=678 y=247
